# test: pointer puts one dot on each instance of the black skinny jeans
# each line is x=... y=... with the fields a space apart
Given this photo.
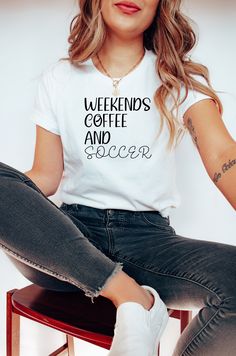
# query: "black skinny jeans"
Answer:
x=76 y=246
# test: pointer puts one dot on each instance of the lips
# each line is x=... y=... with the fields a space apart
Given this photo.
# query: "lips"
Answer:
x=127 y=5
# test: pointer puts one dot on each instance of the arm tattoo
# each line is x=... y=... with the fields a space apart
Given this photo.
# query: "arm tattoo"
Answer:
x=225 y=167
x=192 y=131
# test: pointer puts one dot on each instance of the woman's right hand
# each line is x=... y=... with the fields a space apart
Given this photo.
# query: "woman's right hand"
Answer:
x=48 y=165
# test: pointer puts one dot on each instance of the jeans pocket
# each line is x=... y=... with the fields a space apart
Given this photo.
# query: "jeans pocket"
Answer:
x=64 y=206
x=154 y=219
x=68 y=208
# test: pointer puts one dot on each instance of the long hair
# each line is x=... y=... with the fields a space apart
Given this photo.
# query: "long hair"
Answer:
x=170 y=36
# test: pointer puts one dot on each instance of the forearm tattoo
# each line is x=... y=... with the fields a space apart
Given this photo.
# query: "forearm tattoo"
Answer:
x=192 y=131
x=224 y=169
x=226 y=166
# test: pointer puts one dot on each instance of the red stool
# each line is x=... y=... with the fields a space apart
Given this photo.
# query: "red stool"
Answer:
x=72 y=313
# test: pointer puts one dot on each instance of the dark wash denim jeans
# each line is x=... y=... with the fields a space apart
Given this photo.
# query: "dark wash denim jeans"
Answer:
x=76 y=246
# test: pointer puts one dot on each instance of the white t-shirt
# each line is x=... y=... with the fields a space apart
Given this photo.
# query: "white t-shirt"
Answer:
x=112 y=159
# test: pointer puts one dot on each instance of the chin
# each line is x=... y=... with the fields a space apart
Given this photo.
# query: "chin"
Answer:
x=122 y=26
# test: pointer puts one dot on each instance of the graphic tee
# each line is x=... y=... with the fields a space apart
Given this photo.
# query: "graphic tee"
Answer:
x=112 y=158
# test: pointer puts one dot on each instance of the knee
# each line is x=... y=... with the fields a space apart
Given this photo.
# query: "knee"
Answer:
x=4 y=166
x=227 y=307
x=7 y=171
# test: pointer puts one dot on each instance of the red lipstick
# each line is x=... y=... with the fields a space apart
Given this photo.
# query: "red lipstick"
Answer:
x=128 y=7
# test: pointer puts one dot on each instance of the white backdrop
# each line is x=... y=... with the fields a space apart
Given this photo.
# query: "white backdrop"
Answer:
x=33 y=35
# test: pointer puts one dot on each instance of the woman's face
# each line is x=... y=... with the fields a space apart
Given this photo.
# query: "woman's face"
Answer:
x=126 y=20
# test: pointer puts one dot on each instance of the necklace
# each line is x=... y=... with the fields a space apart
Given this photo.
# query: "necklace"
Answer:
x=116 y=81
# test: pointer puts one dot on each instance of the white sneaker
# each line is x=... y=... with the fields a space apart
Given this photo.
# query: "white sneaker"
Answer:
x=138 y=330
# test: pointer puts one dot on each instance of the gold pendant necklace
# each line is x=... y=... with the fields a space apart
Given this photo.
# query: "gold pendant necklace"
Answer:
x=115 y=84
x=116 y=81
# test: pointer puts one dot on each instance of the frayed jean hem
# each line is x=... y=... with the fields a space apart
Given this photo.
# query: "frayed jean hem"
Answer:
x=92 y=294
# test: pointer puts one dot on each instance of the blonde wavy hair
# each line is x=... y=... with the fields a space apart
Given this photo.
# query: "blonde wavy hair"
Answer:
x=170 y=35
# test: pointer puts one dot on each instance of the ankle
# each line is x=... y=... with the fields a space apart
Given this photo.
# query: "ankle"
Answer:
x=143 y=297
x=132 y=292
x=151 y=300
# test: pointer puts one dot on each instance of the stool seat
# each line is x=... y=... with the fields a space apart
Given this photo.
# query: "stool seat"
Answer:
x=72 y=313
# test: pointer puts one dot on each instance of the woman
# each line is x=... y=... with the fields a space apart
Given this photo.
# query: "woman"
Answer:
x=108 y=119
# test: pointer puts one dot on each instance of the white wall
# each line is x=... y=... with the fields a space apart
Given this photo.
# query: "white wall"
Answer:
x=34 y=34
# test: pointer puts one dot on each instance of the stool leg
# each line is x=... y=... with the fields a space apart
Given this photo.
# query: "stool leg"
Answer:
x=66 y=349
x=12 y=328
x=185 y=318
x=70 y=343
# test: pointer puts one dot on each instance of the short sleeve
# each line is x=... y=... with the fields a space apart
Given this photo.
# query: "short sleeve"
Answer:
x=43 y=113
x=192 y=98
